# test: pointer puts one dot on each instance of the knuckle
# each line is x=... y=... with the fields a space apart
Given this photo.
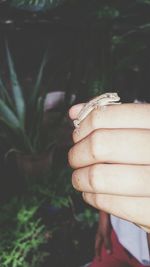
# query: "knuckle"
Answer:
x=75 y=181
x=97 y=202
x=94 y=144
x=93 y=119
x=92 y=176
x=101 y=145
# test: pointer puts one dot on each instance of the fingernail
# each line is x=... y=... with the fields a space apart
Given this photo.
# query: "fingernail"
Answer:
x=83 y=195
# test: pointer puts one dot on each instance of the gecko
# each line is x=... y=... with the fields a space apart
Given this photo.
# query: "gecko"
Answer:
x=99 y=101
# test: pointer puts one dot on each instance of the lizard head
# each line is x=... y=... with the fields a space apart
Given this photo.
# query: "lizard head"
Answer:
x=112 y=97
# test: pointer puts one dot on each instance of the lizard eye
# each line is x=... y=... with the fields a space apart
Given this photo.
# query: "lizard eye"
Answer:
x=107 y=95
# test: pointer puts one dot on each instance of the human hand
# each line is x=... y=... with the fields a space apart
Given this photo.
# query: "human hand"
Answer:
x=103 y=234
x=111 y=158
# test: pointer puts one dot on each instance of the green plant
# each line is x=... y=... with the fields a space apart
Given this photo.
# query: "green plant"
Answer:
x=87 y=218
x=22 y=234
x=118 y=44
x=36 y=5
x=22 y=116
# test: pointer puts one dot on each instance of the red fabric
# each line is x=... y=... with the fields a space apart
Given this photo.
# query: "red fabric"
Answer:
x=119 y=257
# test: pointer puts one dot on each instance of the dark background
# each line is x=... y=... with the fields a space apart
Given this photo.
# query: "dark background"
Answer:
x=79 y=42
x=93 y=47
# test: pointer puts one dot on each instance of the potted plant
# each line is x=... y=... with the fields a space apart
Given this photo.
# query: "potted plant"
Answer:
x=24 y=128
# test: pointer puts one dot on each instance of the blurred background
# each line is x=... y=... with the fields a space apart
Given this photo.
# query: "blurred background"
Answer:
x=53 y=54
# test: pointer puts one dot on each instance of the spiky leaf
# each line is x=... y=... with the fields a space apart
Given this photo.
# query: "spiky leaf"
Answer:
x=36 y=5
x=4 y=94
x=36 y=89
x=8 y=116
x=16 y=89
x=2 y=89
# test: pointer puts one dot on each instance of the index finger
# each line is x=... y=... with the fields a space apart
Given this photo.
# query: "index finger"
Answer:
x=74 y=110
x=114 y=116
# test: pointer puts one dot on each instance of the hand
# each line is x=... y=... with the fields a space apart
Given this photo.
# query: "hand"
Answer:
x=103 y=235
x=111 y=158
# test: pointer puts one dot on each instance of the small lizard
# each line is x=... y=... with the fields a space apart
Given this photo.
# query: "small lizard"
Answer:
x=99 y=101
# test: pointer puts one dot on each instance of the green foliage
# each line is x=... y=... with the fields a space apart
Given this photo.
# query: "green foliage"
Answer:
x=27 y=226
x=121 y=39
x=17 y=92
x=55 y=187
x=22 y=113
x=144 y=1
x=36 y=5
x=22 y=234
x=87 y=218
x=108 y=12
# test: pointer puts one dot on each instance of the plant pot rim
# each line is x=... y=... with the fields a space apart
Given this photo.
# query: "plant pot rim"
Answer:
x=36 y=155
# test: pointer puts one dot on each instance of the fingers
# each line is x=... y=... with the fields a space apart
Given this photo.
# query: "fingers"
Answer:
x=74 y=110
x=122 y=146
x=128 y=208
x=111 y=158
x=127 y=180
x=113 y=116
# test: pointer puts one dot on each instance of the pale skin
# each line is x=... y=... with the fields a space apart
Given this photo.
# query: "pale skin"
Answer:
x=111 y=160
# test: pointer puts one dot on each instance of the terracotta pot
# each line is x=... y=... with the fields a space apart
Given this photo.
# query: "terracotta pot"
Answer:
x=34 y=165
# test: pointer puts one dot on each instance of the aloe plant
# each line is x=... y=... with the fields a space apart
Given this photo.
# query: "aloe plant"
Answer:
x=36 y=5
x=21 y=118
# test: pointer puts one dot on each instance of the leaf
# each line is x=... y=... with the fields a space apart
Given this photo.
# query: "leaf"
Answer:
x=144 y=1
x=36 y=5
x=39 y=79
x=2 y=89
x=16 y=88
x=4 y=94
x=8 y=116
x=38 y=119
